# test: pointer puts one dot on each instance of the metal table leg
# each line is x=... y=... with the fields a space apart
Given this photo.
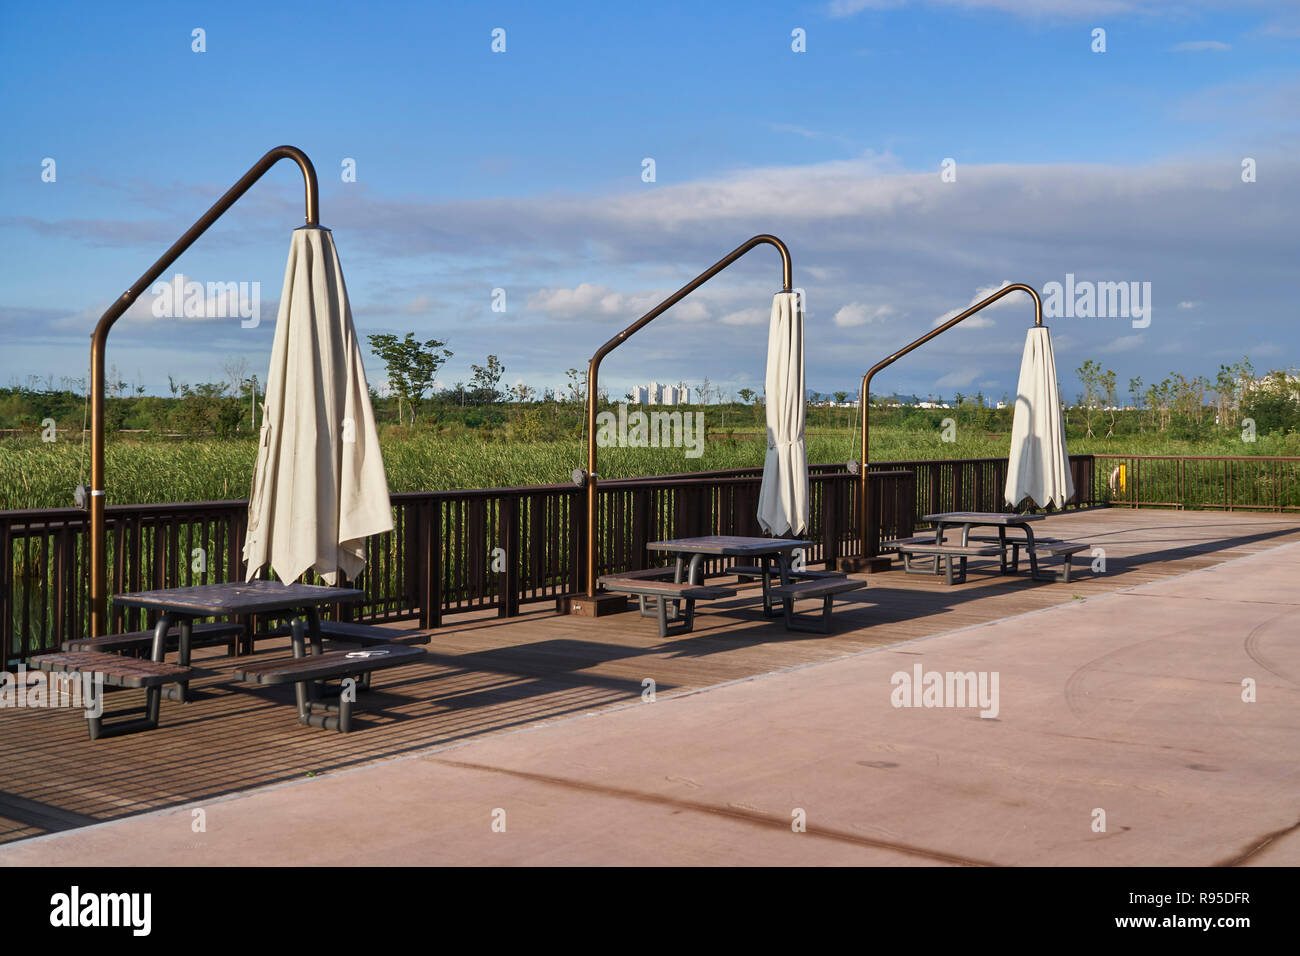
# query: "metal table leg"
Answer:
x=301 y=692
x=765 y=563
x=158 y=652
x=783 y=564
x=1032 y=550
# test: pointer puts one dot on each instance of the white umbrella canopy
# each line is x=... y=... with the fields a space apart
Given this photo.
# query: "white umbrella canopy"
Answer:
x=783 y=496
x=1039 y=465
x=319 y=488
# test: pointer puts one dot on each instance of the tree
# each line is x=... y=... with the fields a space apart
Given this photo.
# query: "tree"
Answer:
x=1231 y=389
x=577 y=386
x=206 y=407
x=747 y=395
x=487 y=379
x=1135 y=396
x=1098 y=393
x=412 y=366
x=236 y=369
x=1159 y=401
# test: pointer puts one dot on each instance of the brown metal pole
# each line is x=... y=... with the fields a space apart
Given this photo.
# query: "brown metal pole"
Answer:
x=593 y=371
x=98 y=340
x=864 y=492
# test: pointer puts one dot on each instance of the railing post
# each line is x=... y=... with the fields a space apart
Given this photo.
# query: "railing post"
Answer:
x=6 y=593
x=508 y=580
x=640 y=526
x=830 y=521
x=429 y=558
x=907 y=507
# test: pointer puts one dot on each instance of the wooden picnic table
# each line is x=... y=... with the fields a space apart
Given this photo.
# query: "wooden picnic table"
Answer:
x=691 y=553
x=300 y=603
x=997 y=519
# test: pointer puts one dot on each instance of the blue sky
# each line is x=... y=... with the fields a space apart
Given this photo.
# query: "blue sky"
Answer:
x=522 y=170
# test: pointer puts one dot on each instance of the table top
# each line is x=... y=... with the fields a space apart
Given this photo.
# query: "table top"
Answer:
x=982 y=517
x=726 y=544
x=239 y=597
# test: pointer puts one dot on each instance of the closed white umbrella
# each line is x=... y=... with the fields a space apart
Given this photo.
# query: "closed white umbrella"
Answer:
x=783 y=497
x=319 y=488
x=1039 y=465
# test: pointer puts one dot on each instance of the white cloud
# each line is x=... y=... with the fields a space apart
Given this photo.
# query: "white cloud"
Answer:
x=567 y=303
x=181 y=299
x=1125 y=343
x=1286 y=26
x=859 y=313
x=958 y=379
x=1201 y=46
x=1188 y=305
x=981 y=319
x=746 y=317
x=589 y=299
x=693 y=309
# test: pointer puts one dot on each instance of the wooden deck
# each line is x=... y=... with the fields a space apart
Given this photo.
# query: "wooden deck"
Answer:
x=486 y=675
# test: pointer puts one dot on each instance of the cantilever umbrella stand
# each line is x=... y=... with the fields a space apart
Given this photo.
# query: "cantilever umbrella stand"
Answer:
x=98 y=544
x=867 y=559
x=594 y=602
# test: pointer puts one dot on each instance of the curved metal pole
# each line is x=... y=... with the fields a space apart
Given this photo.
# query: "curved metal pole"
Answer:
x=98 y=340
x=863 y=399
x=593 y=371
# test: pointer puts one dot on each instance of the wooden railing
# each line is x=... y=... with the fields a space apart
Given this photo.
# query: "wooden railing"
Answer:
x=977 y=484
x=1238 y=483
x=454 y=551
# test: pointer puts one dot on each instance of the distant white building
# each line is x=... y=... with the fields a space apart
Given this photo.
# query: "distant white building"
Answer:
x=656 y=394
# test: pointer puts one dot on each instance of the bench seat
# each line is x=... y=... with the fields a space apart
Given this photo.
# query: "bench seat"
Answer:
x=302 y=671
x=969 y=550
x=118 y=671
x=1060 y=549
x=670 y=589
x=947 y=554
x=372 y=634
x=351 y=632
x=646 y=574
x=202 y=635
x=825 y=588
x=654 y=596
x=752 y=571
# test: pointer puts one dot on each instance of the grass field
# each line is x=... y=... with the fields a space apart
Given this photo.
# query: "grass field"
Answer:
x=38 y=475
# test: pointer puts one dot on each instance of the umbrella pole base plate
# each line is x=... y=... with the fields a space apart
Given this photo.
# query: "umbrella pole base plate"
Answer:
x=582 y=605
x=857 y=565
